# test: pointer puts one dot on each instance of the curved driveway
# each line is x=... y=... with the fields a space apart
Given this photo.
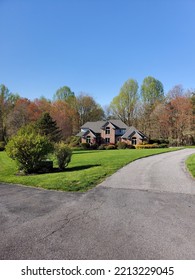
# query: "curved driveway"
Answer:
x=164 y=172
x=144 y=211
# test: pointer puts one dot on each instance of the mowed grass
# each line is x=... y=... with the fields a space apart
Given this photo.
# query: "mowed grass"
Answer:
x=190 y=162
x=86 y=170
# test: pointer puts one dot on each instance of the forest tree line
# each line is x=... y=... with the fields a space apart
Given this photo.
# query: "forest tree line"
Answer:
x=169 y=117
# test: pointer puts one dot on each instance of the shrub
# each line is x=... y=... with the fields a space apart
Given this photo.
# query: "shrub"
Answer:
x=130 y=146
x=163 y=145
x=110 y=147
x=85 y=146
x=29 y=149
x=94 y=146
x=158 y=141
x=73 y=141
x=46 y=166
x=121 y=145
x=147 y=146
x=2 y=145
x=101 y=147
x=63 y=154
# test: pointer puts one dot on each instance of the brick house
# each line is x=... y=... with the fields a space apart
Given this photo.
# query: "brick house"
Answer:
x=110 y=132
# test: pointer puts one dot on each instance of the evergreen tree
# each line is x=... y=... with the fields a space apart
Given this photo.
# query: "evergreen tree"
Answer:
x=48 y=127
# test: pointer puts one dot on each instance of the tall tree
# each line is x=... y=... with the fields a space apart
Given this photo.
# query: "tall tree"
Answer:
x=123 y=105
x=43 y=104
x=152 y=91
x=65 y=116
x=64 y=93
x=7 y=102
x=180 y=118
x=48 y=127
x=23 y=113
x=176 y=91
x=88 y=109
x=152 y=94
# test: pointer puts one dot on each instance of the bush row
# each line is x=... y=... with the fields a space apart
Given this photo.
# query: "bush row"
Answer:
x=111 y=146
x=121 y=145
x=151 y=146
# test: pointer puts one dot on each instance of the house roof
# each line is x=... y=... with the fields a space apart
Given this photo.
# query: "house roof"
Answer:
x=84 y=133
x=131 y=131
x=97 y=126
x=94 y=126
x=118 y=124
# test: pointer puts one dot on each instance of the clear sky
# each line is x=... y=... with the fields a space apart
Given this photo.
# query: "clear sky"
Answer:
x=94 y=46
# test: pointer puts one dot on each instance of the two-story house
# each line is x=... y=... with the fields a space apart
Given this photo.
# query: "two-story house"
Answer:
x=110 y=132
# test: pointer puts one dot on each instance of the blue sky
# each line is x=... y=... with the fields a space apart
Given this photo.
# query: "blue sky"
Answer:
x=94 y=46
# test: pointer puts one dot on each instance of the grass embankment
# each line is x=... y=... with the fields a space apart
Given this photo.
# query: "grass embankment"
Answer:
x=190 y=162
x=87 y=169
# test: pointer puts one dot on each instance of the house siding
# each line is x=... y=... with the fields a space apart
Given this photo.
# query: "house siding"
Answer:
x=92 y=138
x=136 y=136
x=111 y=136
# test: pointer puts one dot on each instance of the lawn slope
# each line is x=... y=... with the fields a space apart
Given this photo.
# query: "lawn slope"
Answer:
x=87 y=169
x=190 y=162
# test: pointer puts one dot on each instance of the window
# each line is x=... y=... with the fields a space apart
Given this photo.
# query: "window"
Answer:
x=107 y=140
x=88 y=139
x=134 y=141
x=107 y=130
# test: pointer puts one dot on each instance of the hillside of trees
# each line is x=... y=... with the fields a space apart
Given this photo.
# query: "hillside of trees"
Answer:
x=160 y=116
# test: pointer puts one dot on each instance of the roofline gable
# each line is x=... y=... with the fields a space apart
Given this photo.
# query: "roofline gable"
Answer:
x=88 y=131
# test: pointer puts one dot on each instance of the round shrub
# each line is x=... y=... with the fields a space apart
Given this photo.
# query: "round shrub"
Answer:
x=121 y=145
x=101 y=147
x=131 y=147
x=94 y=146
x=63 y=154
x=164 y=145
x=29 y=149
x=85 y=146
x=110 y=147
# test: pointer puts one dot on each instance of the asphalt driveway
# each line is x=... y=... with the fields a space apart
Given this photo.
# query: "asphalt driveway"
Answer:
x=144 y=211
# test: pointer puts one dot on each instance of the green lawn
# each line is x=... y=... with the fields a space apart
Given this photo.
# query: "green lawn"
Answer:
x=87 y=169
x=190 y=162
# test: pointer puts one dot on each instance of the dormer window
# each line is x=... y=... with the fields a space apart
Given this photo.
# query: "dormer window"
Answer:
x=107 y=130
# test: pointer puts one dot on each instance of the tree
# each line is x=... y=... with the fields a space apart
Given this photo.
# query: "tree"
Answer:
x=48 y=127
x=180 y=119
x=152 y=91
x=65 y=117
x=152 y=94
x=43 y=104
x=193 y=113
x=23 y=113
x=124 y=104
x=64 y=93
x=176 y=91
x=29 y=149
x=88 y=109
x=7 y=102
x=160 y=122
